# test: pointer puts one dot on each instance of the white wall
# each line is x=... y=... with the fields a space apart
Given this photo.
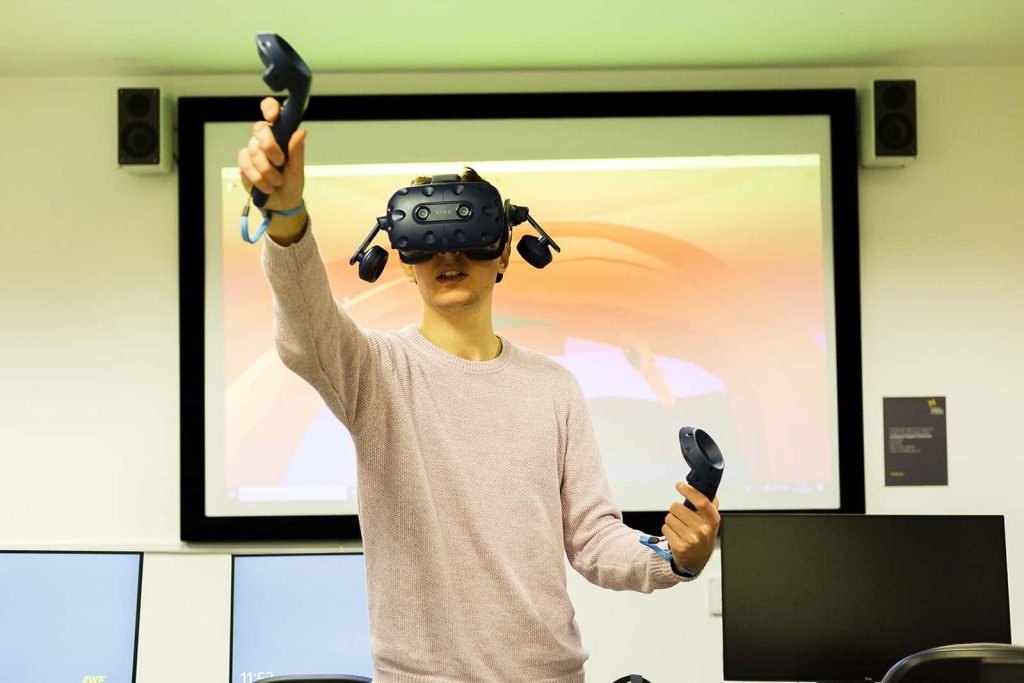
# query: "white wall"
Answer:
x=89 y=355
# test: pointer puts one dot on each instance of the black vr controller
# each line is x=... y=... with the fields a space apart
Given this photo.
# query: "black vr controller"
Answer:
x=706 y=463
x=705 y=460
x=448 y=214
x=285 y=71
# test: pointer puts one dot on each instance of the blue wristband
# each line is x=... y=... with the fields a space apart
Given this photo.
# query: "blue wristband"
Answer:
x=652 y=543
x=267 y=215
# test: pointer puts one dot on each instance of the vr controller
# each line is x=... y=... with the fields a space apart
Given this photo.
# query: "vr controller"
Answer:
x=704 y=457
x=449 y=214
x=285 y=71
x=706 y=463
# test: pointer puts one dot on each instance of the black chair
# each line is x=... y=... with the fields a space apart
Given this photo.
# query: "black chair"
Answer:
x=1002 y=670
x=318 y=678
x=332 y=678
x=963 y=663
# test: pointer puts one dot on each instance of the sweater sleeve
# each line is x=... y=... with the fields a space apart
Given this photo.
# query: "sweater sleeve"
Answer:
x=315 y=337
x=599 y=545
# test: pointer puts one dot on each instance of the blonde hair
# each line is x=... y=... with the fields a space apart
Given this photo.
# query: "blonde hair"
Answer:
x=468 y=175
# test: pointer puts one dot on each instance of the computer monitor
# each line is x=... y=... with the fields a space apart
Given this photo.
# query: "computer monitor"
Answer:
x=844 y=597
x=299 y=614
x=69 y=616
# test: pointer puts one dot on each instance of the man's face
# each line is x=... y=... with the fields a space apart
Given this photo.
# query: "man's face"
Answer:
x=450 y=281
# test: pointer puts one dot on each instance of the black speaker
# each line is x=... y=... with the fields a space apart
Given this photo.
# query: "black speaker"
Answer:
x=889 y=123
x=143 y=130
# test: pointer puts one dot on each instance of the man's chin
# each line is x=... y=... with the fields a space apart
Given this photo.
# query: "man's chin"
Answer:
x=454 y=300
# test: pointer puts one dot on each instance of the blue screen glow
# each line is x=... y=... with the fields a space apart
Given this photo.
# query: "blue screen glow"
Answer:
x=69 y=617
x=299 y=614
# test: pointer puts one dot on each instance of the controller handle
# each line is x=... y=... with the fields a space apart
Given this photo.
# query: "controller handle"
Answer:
x=705 y=459
x=285 y=71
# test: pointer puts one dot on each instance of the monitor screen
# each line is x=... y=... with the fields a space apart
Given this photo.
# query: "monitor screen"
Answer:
x=69 y=616
x=707 y=277
x=299 y=614
x=845 y=597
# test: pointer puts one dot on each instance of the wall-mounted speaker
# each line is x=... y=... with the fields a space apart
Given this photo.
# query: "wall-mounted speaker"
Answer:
x=888 y=123
x=144 y=130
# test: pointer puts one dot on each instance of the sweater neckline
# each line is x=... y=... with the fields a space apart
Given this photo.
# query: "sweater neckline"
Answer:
x=428 y=348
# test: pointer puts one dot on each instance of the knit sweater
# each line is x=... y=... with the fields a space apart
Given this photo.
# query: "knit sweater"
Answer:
x=475 y=480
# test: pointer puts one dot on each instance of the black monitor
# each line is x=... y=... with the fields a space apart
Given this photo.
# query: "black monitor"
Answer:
x=69 y=616
x=844 y=597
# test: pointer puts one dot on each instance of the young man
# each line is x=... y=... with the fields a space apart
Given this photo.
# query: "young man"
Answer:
x=477 y=466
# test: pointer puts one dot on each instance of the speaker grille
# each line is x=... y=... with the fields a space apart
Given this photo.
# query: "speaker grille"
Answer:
x=895 y=118
x=138 y=125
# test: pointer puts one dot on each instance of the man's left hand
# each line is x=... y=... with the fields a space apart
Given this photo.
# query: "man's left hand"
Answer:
x=691 y=535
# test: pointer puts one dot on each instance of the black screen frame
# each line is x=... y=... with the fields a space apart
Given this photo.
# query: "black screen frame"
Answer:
x=839 y=105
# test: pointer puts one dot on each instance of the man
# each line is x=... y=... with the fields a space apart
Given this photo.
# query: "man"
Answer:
x=477 y=467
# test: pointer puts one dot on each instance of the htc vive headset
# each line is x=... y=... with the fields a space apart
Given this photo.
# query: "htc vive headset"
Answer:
x=450 y=214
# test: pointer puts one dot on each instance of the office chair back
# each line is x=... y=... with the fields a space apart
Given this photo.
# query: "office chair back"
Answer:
x=318 y=678
x=962 y=663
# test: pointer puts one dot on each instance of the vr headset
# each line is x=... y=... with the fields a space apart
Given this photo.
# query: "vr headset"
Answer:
x=449 y=214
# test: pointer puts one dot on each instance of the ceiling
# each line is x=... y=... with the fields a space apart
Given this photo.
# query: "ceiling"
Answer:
x=144 y=37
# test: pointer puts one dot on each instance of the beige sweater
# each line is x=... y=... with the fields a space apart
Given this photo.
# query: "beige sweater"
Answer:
x=475 y=480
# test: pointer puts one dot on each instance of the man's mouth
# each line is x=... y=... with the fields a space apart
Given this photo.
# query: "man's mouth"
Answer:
x=451 y=276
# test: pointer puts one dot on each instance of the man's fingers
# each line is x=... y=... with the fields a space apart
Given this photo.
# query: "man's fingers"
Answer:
x=267 y=143
x=271 y=108
x=678 y=542
x=250 y=173
x=260 y=162
x=685 y=530
x=705 y=508
x=686 y=515
x=297 y=150
x=691 y=494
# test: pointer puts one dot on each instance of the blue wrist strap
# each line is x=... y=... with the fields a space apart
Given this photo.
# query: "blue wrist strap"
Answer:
x=652 y=543
x=267 y=215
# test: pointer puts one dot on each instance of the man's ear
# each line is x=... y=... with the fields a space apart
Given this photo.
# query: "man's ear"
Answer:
x=503 y=260
x=408 y=269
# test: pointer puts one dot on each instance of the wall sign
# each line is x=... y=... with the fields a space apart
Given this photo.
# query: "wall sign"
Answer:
x=915 y=441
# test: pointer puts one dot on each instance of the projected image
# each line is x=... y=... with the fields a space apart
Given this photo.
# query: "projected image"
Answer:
x=690 y=290
x=69 y=616
x=299 y=614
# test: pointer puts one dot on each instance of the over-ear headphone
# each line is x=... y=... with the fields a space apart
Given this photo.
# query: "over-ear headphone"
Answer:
x=536 y=251
x=632 y=678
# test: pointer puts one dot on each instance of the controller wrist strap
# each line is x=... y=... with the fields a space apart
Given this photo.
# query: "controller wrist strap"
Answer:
x=652 y=543
x=267 y=215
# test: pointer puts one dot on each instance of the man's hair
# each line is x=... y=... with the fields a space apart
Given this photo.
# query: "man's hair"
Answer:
x=468 y=175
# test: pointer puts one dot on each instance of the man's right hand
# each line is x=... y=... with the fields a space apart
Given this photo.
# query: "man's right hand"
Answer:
x=258 y=164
